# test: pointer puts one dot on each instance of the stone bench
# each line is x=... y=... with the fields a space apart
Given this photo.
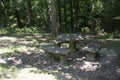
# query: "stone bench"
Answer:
x=92 y=51
x=57 y=52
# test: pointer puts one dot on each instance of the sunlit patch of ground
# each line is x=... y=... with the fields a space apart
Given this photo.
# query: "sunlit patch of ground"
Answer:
x=12 y=39
x=90 y=66
x=12 y=49
x=27 y=74
x=118 y=71
x=5 y=50
x=20 y=44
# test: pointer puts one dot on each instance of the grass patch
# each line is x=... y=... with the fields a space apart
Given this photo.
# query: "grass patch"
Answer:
x=8 y=71
x=12 y=49
x=19 y=31
x=113 y=35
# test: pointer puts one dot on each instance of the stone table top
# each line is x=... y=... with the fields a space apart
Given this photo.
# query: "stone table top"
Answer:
x=70 y=37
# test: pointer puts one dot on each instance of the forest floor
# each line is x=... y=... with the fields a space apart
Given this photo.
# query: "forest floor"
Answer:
x=21 y=58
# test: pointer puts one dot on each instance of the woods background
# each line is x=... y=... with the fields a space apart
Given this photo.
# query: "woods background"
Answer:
x=90 y=16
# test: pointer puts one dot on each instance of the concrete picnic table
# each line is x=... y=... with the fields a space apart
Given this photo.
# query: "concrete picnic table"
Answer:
x=71 y=38
x=91 y=50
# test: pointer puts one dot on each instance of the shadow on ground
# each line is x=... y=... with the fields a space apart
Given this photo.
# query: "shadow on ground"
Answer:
x=79 y=69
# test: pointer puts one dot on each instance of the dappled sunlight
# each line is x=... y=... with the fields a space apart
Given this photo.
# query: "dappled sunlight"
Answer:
x=118 y=71
x=33 y=63
x=2 y=61
x=13 y=44
x=13 y=49
x=68 y=76
x=113 y=39
x=27 y=74
x=13 y=25
x=90 y=66
x=25 y=49
x=11 y=39
x=5 y=50
x=27 y=42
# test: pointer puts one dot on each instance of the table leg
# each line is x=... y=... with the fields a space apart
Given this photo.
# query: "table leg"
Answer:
x=72 y=46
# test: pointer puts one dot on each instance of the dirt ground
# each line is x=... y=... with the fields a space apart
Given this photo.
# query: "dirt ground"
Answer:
x=25 y=52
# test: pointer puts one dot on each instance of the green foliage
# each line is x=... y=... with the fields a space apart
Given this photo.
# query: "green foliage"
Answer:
x=75 y=13
x=4 y=67
x=114 y=35
x=8 y=70
x=110 y=12
x=85 y=30
x=24 y=30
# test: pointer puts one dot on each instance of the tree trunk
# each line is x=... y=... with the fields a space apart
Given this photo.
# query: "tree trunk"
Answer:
x=5 y=13
x=71 y=22
x=76 y=3
x=92 y=20
x=17 y=13
x=52 y=10
x=65 y=16
x=60 y=17
x=18 y=18
x=30 y=13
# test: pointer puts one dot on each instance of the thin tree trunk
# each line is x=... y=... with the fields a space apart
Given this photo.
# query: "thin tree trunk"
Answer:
x=65 y=16
x=76 y=13
x=60 y=17
x=30 y=13
x=71 y=22
x=92 y=22
x=17 y=13
x=18 y=18
x=5 y=12
x=52 y=10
